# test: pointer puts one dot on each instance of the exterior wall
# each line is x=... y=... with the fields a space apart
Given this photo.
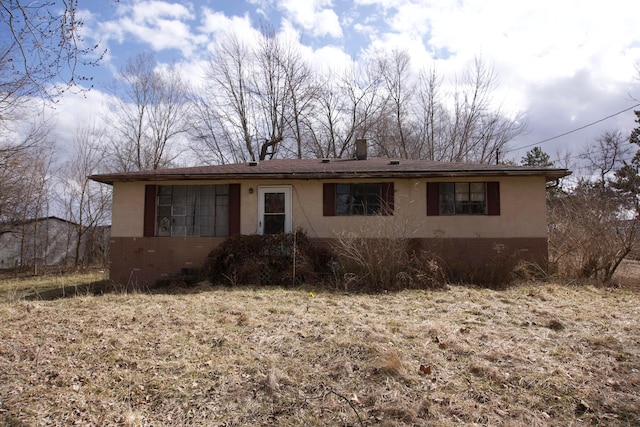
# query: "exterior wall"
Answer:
x=127 y=212
x=522 y=200
x=476 y=253
x=520 y=228
x=473 y=254
x=522 y=204
x=143 y=260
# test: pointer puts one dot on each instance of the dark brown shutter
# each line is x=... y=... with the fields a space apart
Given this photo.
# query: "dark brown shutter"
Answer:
x=493 y=198
x=234 y=209
x=328 y=199
x=433 y=199
x=149 y=211
x=387 y=198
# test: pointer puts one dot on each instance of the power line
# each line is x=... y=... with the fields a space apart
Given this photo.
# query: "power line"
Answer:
x=575 y=130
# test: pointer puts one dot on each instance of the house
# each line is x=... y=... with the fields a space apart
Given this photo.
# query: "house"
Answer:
x=47 y=241
x=166 y=221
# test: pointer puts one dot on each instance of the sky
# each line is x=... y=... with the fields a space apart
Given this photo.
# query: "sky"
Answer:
x=561 y=64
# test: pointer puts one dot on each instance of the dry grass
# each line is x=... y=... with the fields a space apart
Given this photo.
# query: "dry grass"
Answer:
x=533 y=355
x=15 y=286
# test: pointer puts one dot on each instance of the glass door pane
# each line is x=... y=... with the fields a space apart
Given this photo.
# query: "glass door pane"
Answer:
x=274 y=213
x=274 y=208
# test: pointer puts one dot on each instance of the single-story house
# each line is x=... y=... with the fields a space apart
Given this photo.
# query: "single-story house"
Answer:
x=168 y=220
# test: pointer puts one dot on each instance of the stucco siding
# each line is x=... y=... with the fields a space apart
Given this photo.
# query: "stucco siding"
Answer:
x=522 y=205
x=522 y=215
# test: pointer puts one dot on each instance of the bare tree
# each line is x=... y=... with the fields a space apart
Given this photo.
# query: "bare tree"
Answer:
x=41 y=56
x=87 y=203
x=346 y=107
x=302 y=93
x=41 y=44
x=37 y=198
x=255 y=100
x=607 y=154
x=149 y=113
x=469 y=128
x=417 y=118
x=591 y=231
x=261 y=100
x=25 y=188
x=209 y=136
x=594 y=225
x=325 y=126
x=16 y=163
x=430 y=115
x=270 y=87
x=394 y=128
x=224 y=111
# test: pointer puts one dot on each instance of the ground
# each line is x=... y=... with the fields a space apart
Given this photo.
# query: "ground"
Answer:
x=536 y=354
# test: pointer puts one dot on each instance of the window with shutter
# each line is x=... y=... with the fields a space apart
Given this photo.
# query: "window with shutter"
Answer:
x=463 y=198
x=357 y=199
x=192 y=210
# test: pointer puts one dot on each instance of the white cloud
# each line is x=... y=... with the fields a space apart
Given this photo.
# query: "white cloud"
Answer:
x=330 y=58
x=314 y=16
x=217 y=22
x=216 y=25
x=160 y=24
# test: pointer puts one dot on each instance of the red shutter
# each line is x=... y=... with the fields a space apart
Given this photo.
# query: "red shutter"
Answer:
x=433 y=199
x=387 y=198
x=149 y=211
x=493 y=198
x=328 y=199
x=234 y=209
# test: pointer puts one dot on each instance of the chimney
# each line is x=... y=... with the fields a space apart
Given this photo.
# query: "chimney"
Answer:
x=361 y=149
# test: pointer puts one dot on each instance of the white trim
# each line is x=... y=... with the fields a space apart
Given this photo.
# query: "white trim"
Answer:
x=286 y=189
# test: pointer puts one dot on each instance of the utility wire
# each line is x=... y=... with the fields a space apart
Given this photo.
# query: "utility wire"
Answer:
x=575 y=130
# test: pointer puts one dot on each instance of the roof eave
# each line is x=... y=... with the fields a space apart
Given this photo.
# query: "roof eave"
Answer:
x=549 y=174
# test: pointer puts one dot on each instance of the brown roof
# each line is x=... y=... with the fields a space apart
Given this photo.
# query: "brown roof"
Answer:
x=333 y=169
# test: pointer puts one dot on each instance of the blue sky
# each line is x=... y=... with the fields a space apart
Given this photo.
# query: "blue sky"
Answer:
x=562 y=64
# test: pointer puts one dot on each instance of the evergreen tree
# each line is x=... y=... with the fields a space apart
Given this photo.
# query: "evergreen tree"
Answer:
x=536 y=157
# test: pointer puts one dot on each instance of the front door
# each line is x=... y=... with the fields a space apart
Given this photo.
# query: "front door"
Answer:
x=274 y=209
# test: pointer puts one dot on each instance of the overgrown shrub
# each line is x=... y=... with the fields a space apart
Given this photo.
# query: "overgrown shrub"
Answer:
x=591 y=231
x=272 y=259
x=384 y=264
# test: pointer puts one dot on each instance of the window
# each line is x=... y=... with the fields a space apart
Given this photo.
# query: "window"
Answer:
x=356 y=199
x=192 y=210
x=463 y=198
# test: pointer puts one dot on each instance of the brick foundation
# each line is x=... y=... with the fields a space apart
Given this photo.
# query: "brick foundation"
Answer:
x=486 y=260
x=144 y=260
x=476 y=251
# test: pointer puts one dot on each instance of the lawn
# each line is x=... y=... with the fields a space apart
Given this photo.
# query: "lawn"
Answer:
x=533 y=355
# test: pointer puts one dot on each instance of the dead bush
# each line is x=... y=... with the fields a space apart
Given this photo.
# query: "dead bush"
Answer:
x=384 y=264
x=591 y=231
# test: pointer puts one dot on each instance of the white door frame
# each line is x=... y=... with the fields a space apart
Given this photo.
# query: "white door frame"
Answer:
x=286 y=189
